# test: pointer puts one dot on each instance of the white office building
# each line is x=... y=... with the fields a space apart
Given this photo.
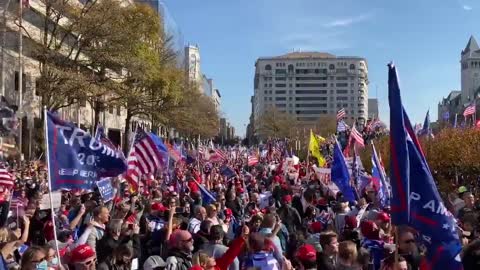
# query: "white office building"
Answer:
x=311 y=84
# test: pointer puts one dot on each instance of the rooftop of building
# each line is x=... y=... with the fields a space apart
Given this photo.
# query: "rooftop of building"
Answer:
x=472 y=49
x=310 y=55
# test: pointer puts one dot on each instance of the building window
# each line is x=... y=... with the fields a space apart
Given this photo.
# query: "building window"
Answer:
x=342 y=91
x=280 y=98
x=299 y=92
x=268 y=67
x=119 y=110
x=280 y=85
x=270 y=98
x=290 y=68
x=280 y=71
x=37 y=87
x=331 y=67
x=280 y=79
x=342 y=98
x=281 y=92
x=311 y=85
x=266 y=85
x=352 y=66
x=83 y=102
x=17 y=78
x=342 y=84
x=110 y=109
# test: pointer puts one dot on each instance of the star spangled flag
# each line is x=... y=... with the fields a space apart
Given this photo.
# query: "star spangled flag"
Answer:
x=356 y=136
x=341 y=114
x=252 y=160
x=416 y=201
x=6 y=178
x=426 y=129
x=147 y=154
x=76 y=159
x=469 y=110
x=207 y=197
x=340 y=175
x=341 y=126
x=173 y=153
x=379 y=173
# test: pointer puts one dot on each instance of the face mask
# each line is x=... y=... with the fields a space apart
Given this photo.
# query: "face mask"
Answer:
x=42 y=265
x=54 y=262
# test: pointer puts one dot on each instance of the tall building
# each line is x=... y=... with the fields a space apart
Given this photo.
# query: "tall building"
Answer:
x=308 y=85
x=192 y=66
x=171 y=29
x=449 y=106
x=470 y=64
x=372 y=108
x=217 y=99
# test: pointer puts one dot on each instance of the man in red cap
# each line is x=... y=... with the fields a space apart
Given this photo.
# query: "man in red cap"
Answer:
x=307 y=255
x=83 y=257
x=289 y=215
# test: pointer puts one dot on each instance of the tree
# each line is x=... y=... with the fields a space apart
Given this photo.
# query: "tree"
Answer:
x=276 y=124
x=195 y=115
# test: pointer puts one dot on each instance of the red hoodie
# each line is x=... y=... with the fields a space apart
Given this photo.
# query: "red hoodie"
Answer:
x=227 y=259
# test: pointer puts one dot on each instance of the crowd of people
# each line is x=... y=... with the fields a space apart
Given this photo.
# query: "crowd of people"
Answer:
x=274 y=215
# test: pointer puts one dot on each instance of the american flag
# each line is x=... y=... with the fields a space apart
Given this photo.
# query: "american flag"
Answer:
x=201 y=150
x=217 y=155
x=469 y=110
x=144 y=157
x=341 y=114
x=6 y=179
x=356 y=136
x=252 y=160
x=341 y=126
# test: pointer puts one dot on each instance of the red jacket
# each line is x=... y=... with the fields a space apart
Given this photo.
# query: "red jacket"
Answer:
x=232 y=252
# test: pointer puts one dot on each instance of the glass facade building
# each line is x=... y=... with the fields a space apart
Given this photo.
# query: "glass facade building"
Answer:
x=172 y=30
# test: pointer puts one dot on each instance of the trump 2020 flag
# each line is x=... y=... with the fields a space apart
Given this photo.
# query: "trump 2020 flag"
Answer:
x=415 y=198
x=340 y=175
x=207 y=197
x=76 y=159
x=378 y=175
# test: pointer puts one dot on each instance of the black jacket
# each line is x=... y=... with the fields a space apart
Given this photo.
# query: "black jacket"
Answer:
x=107 y=244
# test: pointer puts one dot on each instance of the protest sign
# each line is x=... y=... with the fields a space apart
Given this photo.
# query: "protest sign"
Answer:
x=56 y=199
x=106 y=190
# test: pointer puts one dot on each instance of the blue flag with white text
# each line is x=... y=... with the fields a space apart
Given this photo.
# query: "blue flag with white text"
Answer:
x=77 y=160
x=340 y=175
x=416 y=201
x=378 y=173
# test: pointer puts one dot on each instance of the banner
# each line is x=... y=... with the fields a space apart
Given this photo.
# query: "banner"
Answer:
x=106 y=190
x=76 y=159
x=56 y=199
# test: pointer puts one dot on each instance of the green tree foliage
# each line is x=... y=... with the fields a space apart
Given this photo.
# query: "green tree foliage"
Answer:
x=276 y=124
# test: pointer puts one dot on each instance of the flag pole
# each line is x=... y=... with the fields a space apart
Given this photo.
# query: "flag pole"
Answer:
x=49 y=178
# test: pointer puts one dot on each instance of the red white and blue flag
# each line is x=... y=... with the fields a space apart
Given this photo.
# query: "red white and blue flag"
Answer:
x=148 y=154
x=416 y=201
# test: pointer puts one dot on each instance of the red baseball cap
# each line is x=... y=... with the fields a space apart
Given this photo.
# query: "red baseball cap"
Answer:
x=158 y=207
x=307 y=252
x=287 y=198
x=384 y=217
x=82 y=253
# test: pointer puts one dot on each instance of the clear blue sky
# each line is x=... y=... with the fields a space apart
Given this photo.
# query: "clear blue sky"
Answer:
x=423 y=37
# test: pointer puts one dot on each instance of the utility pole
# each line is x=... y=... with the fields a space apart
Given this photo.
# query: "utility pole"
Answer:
x=20 y=75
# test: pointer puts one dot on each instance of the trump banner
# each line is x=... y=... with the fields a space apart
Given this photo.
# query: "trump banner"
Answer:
x=76 y=159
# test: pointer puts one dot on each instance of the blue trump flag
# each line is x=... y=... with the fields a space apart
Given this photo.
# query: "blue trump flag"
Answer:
x=227 y=171
x=76 y=159
x=379 y=174
x=207 y=197
x=415 y=198
x=340 y=175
